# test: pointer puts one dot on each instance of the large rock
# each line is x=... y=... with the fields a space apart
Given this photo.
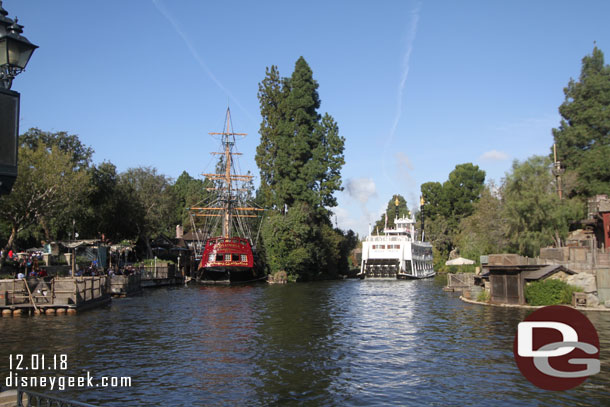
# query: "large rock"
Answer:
x=592 y=300
x=584 y=280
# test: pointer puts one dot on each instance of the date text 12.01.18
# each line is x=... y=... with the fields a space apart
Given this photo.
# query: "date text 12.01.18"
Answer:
x=38 y=361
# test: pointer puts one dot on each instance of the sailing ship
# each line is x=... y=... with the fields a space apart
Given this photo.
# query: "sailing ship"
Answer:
x=231 y=257
x=397 y=254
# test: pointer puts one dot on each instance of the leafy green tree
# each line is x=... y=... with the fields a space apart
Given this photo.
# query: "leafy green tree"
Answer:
x=435 y=205
x=156 y=203
x=111 y=211
x=440 y=235
x=68 y=143
x=447 y=204
x=535 y=216
x=461 y=191
x=483 y=232
x=45 y=185
x=290 y=241
x=189 y=192
x=60 y=226
x=583 y=136
x=390 y=212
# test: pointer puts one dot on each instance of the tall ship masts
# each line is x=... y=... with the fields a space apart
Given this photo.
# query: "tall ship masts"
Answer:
x=229 y=257
x=228 y=141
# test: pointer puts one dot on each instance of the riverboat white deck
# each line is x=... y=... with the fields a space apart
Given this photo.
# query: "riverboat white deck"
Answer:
x=396 y=253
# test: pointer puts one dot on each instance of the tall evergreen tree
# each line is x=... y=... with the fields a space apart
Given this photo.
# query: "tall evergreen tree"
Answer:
x=300 y=157
x=301 y=138
x=583 y=136
x=301 y=153
x=270 y=96
x=327 y=162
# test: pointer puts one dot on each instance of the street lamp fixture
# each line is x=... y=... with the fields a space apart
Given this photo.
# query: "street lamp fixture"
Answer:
x=15 y=52
x=15 y=49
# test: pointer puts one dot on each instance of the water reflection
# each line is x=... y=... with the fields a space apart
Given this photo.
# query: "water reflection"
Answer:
x=331 y=343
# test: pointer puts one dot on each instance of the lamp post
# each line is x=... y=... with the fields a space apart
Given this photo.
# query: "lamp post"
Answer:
x=421 y=207
x=15 y=52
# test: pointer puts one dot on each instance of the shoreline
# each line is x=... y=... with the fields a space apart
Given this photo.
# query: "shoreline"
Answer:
x=533 y=307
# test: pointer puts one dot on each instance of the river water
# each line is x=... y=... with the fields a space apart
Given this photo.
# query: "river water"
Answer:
x=340 y=343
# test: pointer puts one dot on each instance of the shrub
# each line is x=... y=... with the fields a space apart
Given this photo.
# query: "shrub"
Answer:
x=549 y=292
x=484 y=296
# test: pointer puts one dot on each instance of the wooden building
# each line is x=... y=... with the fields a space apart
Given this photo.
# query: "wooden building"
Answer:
x=507 y=282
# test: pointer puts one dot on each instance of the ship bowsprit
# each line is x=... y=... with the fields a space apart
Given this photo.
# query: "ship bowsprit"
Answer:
x=380 y=268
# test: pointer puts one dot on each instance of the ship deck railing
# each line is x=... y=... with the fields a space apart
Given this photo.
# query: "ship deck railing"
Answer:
x=387 y=238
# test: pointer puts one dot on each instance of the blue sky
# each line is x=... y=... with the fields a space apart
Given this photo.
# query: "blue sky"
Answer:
x=416 y=87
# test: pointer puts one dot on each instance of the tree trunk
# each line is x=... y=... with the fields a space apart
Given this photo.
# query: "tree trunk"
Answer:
x=9 y=245
x=149 y=253
x=45 y=228
x=557 y=239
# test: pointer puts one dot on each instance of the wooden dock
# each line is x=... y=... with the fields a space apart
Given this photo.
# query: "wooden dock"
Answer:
x=125 y=285
x=159 y=276
x=57 y=295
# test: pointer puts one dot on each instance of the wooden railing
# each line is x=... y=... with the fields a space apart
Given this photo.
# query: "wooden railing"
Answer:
x=159 y=272
x=28 y=398
x=57 y=291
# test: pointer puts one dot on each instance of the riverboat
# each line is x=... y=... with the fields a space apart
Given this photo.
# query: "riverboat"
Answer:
x=397 y=254
x=229 y=257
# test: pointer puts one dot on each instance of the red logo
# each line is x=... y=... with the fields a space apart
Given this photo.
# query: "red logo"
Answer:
x=557 y=348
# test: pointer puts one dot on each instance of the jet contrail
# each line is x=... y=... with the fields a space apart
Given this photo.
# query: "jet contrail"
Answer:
x=159 y=5
x=410 y=39
x=405 y=67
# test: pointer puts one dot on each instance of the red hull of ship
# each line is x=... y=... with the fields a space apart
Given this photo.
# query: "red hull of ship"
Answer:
x=227 y=261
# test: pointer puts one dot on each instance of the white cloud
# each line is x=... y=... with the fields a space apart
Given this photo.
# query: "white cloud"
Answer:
x=405 y=168
x=361 y=189
x=494 y=155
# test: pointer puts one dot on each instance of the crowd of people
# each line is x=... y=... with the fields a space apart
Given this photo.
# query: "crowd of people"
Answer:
x=29 y=265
